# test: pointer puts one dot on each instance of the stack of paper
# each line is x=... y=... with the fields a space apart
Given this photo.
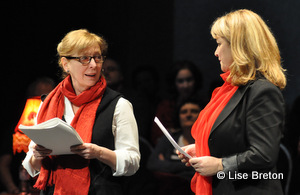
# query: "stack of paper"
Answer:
x=53 y=134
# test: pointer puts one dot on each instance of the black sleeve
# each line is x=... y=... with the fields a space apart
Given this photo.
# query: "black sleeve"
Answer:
x=264 y=126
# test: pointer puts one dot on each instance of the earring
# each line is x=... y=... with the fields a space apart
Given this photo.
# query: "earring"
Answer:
x=68 y=71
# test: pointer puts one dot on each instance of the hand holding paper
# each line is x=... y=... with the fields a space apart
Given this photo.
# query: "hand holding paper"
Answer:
x=165 y=131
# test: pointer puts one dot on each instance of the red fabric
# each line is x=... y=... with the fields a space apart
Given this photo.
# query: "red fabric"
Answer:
x=202 y=127
x=70 y=173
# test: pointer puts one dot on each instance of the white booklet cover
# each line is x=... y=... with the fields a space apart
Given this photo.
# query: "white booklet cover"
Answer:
x=54 y=134
x=170 y=138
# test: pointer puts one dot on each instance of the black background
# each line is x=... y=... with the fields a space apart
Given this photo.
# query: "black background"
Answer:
x=139 y=33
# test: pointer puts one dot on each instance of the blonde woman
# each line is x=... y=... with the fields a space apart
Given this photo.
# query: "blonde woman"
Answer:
x=103 y=119
x=237 y=134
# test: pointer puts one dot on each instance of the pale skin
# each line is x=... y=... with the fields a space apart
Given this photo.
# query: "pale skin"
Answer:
x=204 y=165
x=83 y=77
x=209 y=165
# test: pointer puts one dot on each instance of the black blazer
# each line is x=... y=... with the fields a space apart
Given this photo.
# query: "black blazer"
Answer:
x=246 y=135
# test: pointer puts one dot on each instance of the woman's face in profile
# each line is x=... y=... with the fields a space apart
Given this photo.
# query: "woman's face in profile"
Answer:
x=223 y=53
x=87 y=75
x=185 y=82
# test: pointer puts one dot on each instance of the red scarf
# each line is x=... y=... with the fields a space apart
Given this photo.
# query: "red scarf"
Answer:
x=70 y=173
x=202 y=127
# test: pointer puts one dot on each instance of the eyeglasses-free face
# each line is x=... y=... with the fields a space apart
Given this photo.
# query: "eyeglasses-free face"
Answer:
x=85 y=60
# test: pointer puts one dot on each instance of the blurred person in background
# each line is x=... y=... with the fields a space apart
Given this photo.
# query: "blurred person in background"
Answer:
x=113 y=74
x=184 y=81
x=164 y=161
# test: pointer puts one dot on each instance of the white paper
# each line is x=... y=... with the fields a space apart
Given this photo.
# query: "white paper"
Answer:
x=53 y=134
x=170 y=138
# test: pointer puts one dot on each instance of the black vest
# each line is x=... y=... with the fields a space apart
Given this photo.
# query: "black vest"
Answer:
x=102 y=181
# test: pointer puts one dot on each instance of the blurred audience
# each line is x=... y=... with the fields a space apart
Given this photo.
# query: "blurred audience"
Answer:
x=113 y=74
x=184 y=81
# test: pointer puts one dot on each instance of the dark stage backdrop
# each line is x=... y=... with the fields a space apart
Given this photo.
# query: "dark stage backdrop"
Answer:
x=139 y=33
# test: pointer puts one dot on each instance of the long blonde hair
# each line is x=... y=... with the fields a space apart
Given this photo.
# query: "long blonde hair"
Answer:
x=76 y=41
x=253 y=47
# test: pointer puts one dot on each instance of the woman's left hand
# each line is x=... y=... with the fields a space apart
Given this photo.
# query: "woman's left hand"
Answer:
x=206 y=165
x=87 y=150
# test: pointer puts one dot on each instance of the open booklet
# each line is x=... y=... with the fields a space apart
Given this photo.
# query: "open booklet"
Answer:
x=170 y=138
x=54 y=134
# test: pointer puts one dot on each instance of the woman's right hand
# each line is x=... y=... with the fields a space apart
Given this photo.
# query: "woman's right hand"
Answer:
x=40 y=152
x=190 y=149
